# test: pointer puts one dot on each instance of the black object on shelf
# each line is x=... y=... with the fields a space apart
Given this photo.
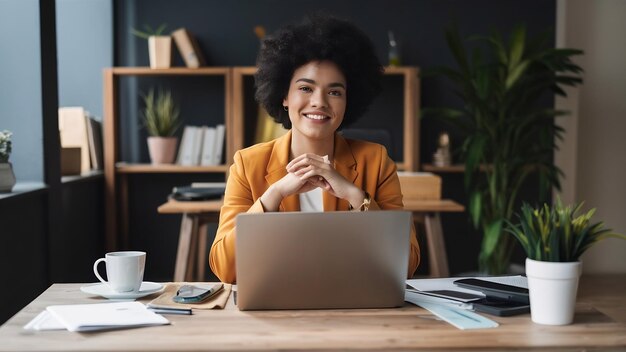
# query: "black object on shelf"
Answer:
x=189 y=193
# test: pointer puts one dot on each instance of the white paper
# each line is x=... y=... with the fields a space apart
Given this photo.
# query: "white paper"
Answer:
x=100 y=316
x=417 y=298
x=44 y=321
x=439 y=284
x=448 y=283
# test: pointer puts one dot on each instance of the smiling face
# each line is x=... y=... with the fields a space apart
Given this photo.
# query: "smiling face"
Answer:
x=316 y=100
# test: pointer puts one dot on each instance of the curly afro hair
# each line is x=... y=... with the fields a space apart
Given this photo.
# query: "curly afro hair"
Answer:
x=319 y=37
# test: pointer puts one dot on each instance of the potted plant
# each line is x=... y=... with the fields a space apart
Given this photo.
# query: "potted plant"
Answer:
x=509 y=135
x=554 y=238
x=160 y=117
x=7 y=177
x=159 y=45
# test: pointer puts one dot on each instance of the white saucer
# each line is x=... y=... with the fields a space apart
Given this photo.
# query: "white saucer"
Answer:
x=102 y=289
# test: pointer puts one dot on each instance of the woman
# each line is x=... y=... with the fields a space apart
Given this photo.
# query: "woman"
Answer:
x=312 y=78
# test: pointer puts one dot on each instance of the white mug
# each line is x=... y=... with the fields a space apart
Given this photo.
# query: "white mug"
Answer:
x=124 y=270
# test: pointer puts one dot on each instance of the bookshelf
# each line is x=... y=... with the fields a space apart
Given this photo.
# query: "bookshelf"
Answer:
x=116 y=172
x=238 y=119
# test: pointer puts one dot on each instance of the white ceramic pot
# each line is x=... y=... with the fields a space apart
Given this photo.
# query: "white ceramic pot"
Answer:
x=162 y=149
x=552 y=289
x=7 y=177
x=160 y=49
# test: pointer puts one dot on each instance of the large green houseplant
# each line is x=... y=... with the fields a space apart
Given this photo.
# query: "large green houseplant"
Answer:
x=509 y=136
x=554 y=237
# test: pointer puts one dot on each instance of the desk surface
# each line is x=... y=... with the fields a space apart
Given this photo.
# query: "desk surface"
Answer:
x=176 y=207
x=600 y=323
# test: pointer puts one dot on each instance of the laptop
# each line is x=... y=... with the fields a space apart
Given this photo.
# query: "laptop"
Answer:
x=322 y=260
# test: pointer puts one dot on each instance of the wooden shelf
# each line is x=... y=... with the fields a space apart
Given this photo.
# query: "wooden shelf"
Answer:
x=175 y=71
x=456 y=168
x=115 y=172
x=124 y=168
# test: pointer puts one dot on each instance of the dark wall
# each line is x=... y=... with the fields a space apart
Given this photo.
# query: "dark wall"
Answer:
x=31 y=260
x=24 y=258
x=224 y=30
x=81 y=240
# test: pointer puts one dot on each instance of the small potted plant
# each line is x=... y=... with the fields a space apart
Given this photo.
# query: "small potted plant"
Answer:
x=160 y=117
x=159 y=45
x=554 y=238
x=7 y=177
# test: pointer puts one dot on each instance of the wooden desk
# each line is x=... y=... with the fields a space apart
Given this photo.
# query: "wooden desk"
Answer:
x=600 y=323
x=192 y=241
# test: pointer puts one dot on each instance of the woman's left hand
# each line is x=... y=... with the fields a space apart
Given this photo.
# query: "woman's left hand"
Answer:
x=319 y=172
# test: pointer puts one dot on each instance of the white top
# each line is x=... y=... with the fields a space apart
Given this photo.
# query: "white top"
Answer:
x=312 y=201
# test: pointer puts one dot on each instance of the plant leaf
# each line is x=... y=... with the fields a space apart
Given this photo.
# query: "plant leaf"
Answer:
x=491 y=237
x=518 y=40
x=458 y=51
x=475 y=208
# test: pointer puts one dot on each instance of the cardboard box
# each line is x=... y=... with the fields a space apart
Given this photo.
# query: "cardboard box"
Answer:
x=420 y=185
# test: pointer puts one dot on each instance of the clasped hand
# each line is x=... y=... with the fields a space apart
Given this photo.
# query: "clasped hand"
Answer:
x=309 y=171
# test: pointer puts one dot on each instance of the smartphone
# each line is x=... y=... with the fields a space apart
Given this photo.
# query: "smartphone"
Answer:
x=500 y=308
x=196 y=293
x=495 y=290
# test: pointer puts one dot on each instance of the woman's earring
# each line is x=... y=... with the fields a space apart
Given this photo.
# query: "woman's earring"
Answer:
x=285 y=108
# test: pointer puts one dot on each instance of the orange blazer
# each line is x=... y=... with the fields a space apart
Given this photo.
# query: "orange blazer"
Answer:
x=366 y=164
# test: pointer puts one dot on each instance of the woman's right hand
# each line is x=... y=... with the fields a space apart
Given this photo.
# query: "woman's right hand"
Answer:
x=286 y=186
x=293 y=184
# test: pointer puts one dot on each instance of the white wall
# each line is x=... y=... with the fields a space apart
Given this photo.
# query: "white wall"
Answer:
x=594 y=153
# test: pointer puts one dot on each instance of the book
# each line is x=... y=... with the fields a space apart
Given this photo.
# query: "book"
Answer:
x=185 y=151
x=196 y=151
x=188 y=48
x=266 y=128
x=208 y=146
x=105 y=316
x=73 y=133
x=220 y=130
x=70 y=161
x=94 y=136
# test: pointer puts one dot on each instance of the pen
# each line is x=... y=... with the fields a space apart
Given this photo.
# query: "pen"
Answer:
x=181 y=311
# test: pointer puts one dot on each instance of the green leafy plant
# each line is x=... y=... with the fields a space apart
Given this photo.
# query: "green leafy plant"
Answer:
x=556 y=233
x=148 y=31
x=5 y=146
x=160 y=115
x=509 y=136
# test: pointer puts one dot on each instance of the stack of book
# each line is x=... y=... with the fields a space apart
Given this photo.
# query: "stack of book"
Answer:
x=201 y=145
x=81 y=141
